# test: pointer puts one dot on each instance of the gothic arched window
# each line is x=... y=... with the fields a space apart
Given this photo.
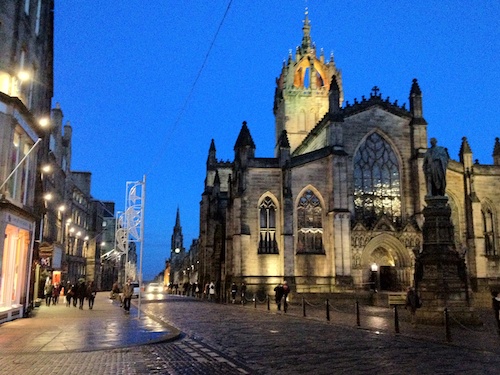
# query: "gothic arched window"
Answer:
x=267 y=220
x=309 y=224
x=489 y=232
x=377 y=189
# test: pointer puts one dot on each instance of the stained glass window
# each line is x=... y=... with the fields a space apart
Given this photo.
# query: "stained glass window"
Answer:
x=309 y=224
x=377 y=189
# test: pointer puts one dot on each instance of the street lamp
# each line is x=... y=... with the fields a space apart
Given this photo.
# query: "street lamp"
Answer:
x=374 y=276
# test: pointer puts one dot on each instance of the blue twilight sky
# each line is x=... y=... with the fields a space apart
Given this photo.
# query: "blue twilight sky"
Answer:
x=146 y=85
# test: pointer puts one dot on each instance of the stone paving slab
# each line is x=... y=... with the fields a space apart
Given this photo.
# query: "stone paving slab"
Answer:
x=64 y=328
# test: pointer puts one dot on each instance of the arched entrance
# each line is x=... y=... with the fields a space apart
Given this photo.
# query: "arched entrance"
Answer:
x=387 y=264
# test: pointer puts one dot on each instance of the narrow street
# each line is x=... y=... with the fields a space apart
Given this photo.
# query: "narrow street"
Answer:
x=235 y=339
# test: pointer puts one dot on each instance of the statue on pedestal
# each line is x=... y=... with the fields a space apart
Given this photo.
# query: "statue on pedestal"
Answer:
x=435 y=165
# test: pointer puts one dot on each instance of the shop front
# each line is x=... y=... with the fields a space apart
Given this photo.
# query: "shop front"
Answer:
x=15 y=262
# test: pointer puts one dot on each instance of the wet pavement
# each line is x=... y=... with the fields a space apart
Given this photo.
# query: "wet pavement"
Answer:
x=65 y=328
x=211 y=338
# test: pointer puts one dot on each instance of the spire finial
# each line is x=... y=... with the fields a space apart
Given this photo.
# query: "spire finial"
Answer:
x=306 y=39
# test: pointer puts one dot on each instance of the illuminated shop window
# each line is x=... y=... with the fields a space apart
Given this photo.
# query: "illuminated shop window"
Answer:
x=309 y=224
x=377 y=189
x=267 y=216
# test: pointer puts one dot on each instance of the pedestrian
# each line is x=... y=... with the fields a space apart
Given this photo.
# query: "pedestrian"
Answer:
x=128 y=290
x=279 y=292
x=412 y=303
x=48 y=290
x=197 y=290
x=286 y=290
x=234 y=291
x=91 y=293
x=211 y=291
x=243 y=292
x=206 y=290
x=55 y=293
x=496 y=308
x=115 y=290
x=69 y=294
x=81 y=292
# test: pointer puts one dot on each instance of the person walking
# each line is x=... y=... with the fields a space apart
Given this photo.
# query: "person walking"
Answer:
x=412 y=303
x=48 y=290
x=55 y=293
x=243 y=292
x=81 y=292
x=211 y=291
x=286 y=290
x=128 y=290
x=91 y=293
x=496 y=308
x=70 y=293
x=279 y=292
x=115 y=290
x=234 y=291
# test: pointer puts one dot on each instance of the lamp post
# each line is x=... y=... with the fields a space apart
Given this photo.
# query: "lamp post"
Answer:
x=375 y=277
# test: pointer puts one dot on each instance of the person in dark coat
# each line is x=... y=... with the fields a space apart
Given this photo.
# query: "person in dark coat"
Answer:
x=412 y=303
x=70 y=293
x=80 y=293
x=243 y=291
x=279 y=292
x=234 y=290
x=91 y=293
x=496 y=308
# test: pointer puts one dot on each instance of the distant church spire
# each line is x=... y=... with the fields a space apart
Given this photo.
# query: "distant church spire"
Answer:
x=177 y=241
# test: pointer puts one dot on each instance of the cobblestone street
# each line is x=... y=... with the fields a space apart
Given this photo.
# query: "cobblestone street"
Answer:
x=235 y=339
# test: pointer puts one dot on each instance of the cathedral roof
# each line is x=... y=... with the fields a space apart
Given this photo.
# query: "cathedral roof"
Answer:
x=375 y=99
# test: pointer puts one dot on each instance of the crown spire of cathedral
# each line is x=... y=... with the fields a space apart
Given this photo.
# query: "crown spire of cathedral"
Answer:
x=306 y=39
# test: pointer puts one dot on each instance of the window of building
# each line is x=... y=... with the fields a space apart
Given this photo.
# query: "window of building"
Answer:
x=38 y=15
x=267 y=219
x=489 y=233
x=309 y=224
x=377 y=189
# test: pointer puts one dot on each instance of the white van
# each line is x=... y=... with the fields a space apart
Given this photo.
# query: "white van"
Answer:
x=137 y=289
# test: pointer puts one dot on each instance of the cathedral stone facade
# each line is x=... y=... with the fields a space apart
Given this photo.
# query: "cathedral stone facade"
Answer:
x=339 y=206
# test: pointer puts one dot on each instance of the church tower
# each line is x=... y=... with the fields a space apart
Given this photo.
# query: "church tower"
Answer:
x=177 y=252
x=302 y=91
x=177 y=246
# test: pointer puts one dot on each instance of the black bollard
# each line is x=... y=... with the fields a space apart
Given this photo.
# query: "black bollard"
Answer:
x=303 y=307
x=268 y=303
x=358 y=322
x=447 y=325
x=396 y=319
x=327 y=310
x=255 y=300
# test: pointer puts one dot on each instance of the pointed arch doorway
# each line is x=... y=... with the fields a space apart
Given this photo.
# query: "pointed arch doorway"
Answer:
x=387 y=264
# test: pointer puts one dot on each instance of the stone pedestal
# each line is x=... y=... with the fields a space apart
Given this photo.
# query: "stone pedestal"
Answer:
x=440 y=272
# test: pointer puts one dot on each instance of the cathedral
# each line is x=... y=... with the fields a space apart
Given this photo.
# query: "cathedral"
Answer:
x=339 y=206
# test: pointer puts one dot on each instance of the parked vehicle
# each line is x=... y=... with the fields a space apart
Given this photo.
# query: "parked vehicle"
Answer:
x=154 y=288
x=137 y=289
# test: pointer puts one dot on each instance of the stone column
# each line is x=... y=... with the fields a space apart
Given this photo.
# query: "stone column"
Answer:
x=440 y=272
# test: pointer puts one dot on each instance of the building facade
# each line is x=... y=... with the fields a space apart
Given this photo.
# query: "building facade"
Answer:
x=339 y=206
x=26 y=88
